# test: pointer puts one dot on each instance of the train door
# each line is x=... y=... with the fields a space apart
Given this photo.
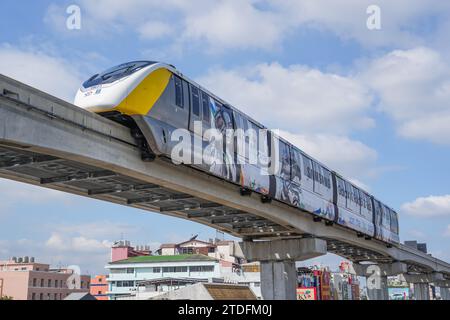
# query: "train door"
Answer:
x=296 y=177
x=229 y=144
x=177 y=111
x=378 y=219
x=280 y=187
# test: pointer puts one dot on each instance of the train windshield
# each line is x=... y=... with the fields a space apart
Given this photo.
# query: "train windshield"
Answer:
x=116 y=73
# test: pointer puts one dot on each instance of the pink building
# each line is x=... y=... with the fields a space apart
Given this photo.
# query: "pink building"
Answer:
x=123 y=250
x=24 y=279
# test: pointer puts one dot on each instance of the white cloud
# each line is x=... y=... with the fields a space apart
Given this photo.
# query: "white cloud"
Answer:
x=432 y=206
x=46 y=72
x=14 y=193
x=155 y=30
x=257 y=23
x=414 y=89
x=347 y=18
x=296 y=98
x=103 y=229
x=235 y=24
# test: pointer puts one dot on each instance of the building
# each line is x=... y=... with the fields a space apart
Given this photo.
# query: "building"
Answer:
x=25 y=279
x=99 y=287
x=130 y=276
x=177 y=265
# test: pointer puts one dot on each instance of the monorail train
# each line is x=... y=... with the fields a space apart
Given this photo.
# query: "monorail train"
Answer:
x=154 y=99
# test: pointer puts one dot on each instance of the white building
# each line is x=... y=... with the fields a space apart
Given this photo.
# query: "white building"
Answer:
x=176 y=266
x=126 y=276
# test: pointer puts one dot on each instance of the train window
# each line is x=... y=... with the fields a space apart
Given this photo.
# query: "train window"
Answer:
x=195 y=101
x=116 y=73
x=356 y=195
x=394 y=221
x=284 y=160
x=205 y=108
x=386 y=217
x=341 y=187
x=308 y=167
x=179 y=97
x=326 y=178
x=296 y=171
x=378 y=212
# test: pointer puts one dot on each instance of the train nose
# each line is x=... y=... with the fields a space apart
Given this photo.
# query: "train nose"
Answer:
x=95 y=99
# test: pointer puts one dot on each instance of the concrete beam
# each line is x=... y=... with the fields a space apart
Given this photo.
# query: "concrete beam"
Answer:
x=423 y=278
x=383 y=269
x=376 y=277
x=281 y=250
x=442 y=283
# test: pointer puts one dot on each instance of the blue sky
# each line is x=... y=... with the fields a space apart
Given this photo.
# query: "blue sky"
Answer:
x=372 y=104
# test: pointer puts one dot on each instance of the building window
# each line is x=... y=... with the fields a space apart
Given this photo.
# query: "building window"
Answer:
x=49 y=283
x=130 y=270
x=33 y=296
x=34 y=282
x=211 y=250
x=99 y=292
x=201 y=268
x=41 y=296
x=42 y=283
x=156 y=270
x=100 y=280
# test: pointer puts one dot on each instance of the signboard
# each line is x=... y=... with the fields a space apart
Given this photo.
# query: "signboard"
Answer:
x=306 y=293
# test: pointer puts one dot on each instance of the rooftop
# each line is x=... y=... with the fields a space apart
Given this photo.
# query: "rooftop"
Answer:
x=173 y=258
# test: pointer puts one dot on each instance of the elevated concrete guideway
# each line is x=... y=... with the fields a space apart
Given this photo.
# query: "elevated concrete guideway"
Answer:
x=50 y=143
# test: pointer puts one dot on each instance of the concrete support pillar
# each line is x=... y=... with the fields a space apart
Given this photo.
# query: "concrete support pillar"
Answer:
x=444 y=288
x=377 y=277
x=378 y=293
x=277 y=258
x=445 y=293
x=278 y=280
x=421 y=283
x=421 y=291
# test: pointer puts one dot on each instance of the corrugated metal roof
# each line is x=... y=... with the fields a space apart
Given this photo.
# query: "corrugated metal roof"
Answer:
x=229 y=292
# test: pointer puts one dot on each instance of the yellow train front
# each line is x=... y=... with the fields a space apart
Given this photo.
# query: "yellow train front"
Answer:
x=150 y=97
